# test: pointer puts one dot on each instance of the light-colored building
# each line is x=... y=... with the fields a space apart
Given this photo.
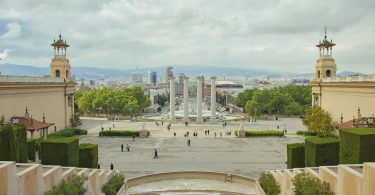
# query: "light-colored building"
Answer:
x=51 y=96
x=342 y=97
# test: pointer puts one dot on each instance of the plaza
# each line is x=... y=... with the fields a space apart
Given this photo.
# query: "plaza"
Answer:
x=227 y=154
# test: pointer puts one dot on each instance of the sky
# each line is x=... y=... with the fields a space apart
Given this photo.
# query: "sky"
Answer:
x=278 y=35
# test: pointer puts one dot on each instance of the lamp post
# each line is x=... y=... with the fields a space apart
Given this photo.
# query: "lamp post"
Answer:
x=131 y=114
x=255 y=114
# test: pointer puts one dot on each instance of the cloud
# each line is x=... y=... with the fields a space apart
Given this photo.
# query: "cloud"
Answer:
x=276 y=34
x=14 y=31
x=4 y=54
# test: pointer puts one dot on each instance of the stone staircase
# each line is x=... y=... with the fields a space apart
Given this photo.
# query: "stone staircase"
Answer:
x=36 y=179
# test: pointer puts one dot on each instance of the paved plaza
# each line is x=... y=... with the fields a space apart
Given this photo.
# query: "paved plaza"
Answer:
x=243 y=156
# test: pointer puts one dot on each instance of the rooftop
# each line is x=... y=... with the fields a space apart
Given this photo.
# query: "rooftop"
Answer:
x=359 y=78
x=29 y=79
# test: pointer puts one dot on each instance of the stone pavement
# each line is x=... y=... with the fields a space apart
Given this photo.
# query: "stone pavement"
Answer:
x=242 y=156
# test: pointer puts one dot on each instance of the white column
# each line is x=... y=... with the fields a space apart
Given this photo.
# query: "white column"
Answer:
x=213 y=100
x=199 y=99
x=186 y=99
x=172 y=97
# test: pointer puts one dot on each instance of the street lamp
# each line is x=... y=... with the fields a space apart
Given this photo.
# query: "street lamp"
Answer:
x=255 y=114
x=131 y=114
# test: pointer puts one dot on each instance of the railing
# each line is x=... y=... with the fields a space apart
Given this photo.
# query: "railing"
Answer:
x=29 y=79
x=359 y=78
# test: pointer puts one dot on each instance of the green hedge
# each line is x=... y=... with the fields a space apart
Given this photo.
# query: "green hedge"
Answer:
x=306 y=133
x=73 y=185
x=113 y=185
x=119 y=133
x=31 y=146
x=321 y=151
x=263 y=133
x=357 y=145
x=62 y=151
x=296 y=155
x=88 y=155
x=13 y=143
x=68 y=133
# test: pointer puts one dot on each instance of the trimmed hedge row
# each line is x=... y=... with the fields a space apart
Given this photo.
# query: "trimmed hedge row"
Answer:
x=88 y=155
x=296 y=155
x=68 y=133
x=264 y=133
x=321 y=151
x=357 y=145
x=306 y=133
x=119 y=133
x=13 y=143
x=62 y=151
x=31 y=147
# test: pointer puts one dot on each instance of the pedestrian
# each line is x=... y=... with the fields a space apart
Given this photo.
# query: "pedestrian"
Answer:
x=133 y=137
x=208 y=132
x=162 y=122
x=174 y=133
x=127 y=147
x=98 y=166
x=278 y=127
x=205 y=132
x=155 y=154
x=111 y=166
x=122 y=148
x=188 y=142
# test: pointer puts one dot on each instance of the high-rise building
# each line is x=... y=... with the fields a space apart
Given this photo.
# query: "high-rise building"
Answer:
x=169 y=74
x=152 y=77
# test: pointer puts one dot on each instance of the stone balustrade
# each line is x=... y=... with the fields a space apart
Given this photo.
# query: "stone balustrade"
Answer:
x=342 y=179
x=20 y=178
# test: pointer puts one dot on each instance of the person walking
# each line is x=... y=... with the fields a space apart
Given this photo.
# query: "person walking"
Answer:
x=122 y=148
x=174 y=133
x=155 y=154
x=111 y=166
x=188 y=142
x=208 y=132
x=127 y=147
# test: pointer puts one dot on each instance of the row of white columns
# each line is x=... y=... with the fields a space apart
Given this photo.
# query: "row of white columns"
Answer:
x=172 y=97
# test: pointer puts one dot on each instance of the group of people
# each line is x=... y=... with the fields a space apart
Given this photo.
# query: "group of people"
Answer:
x=127 y=147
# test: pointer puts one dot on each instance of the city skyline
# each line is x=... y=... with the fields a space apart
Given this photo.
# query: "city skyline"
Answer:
x=272 y=35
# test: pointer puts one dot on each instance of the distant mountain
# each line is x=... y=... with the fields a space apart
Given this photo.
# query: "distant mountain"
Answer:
x=104 y=73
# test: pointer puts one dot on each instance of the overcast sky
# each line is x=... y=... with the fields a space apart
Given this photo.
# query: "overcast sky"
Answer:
x=259 y=34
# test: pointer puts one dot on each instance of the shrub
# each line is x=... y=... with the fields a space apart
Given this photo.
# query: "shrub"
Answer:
x=31 y=147
x=306 y=133
x=269 y=184
x=62 y=151
x=68 y=133
x=305 y=184
x=321 y=151
x=357 y=145
x=113 y=185
x=73 y=185
x=119 y=133
x=88 y=155
x=13 y=143
x=263 y=133
x=296 y=155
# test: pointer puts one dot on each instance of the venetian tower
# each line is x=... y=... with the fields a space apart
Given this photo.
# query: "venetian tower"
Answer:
x=60 y=67
x=325 y=66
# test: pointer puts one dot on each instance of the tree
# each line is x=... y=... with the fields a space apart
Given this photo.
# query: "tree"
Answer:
x=319 y=120
x=162 y=99
x=243 y=97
